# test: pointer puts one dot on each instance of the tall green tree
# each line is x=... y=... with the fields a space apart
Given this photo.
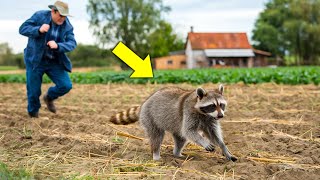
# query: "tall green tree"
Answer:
x=268 y=31
x=163 y=40
x=137 y=23
x=290 y=28
x=303 y=31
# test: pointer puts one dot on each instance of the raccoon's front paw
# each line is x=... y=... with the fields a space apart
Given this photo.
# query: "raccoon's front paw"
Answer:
x=178 y=155
x=234 y=159
x=210 y=147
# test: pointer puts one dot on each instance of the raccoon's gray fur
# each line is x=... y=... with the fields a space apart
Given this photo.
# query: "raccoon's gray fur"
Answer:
x=182 y=113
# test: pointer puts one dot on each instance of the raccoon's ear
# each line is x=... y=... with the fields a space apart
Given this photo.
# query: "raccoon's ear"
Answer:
x=201 y=92
x=221 y=89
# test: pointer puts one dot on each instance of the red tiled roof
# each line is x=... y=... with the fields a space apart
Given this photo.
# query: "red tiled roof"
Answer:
x=219 y=40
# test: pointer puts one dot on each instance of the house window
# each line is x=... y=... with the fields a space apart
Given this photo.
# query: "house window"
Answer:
x=169 y=62
x=183 y=63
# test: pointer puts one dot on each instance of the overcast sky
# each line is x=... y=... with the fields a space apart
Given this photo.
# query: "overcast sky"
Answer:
x=203 y=15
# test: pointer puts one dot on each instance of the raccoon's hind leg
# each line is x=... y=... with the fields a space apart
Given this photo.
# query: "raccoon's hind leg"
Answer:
x=156 y=136
x=154 y=133
x=179 y=143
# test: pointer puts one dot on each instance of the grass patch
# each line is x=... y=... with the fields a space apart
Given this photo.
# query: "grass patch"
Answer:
x=6 y=173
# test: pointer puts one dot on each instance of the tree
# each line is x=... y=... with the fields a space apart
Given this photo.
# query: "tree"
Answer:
x=268 y=31
x=290 y=28
x=163 y=40
x=5 y=49
x=137 y=23
x=128 y=21
x=8 y=58
x=303 y=30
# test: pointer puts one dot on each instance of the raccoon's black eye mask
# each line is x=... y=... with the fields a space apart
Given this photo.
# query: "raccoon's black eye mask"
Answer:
x=208 y=109
x=222 y=106
x=211 y=108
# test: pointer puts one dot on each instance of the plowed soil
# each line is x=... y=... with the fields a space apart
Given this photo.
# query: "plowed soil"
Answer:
x=274 y=130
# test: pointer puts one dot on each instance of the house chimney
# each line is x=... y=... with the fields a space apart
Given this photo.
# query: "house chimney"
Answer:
x=191 y=29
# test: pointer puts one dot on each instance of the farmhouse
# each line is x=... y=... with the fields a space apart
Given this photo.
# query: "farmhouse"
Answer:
x=215 y=50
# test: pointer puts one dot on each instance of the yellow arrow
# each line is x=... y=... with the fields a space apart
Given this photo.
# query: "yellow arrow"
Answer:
x=142 y=68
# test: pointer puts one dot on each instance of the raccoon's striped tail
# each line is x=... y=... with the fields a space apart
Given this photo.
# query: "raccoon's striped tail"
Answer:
x=126 y=117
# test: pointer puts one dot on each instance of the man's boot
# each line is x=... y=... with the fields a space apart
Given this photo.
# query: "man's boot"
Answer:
x=33 y=114
x=49 y=103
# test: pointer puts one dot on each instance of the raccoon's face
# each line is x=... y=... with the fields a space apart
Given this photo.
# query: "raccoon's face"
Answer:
x=211 y=103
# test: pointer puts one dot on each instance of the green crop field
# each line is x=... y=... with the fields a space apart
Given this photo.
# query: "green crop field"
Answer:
x=283 y=75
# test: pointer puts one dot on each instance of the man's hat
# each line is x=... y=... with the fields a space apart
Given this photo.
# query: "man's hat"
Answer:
x=62 y=7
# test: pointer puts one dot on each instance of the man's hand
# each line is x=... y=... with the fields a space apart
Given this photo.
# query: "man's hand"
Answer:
x=52 y=45
x=44 y=28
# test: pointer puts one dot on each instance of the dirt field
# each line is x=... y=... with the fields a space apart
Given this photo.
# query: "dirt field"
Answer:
x=274 y=130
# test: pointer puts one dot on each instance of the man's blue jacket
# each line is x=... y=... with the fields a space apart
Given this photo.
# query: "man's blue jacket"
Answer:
x=35 y=49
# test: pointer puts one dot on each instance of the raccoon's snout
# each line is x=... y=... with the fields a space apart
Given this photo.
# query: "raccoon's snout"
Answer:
x=216 y=115
x=220 y=115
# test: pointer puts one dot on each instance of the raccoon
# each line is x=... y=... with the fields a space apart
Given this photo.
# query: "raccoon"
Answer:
x=184 y=114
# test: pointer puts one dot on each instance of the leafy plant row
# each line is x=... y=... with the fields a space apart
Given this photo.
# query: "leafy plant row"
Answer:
x=288 y=75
